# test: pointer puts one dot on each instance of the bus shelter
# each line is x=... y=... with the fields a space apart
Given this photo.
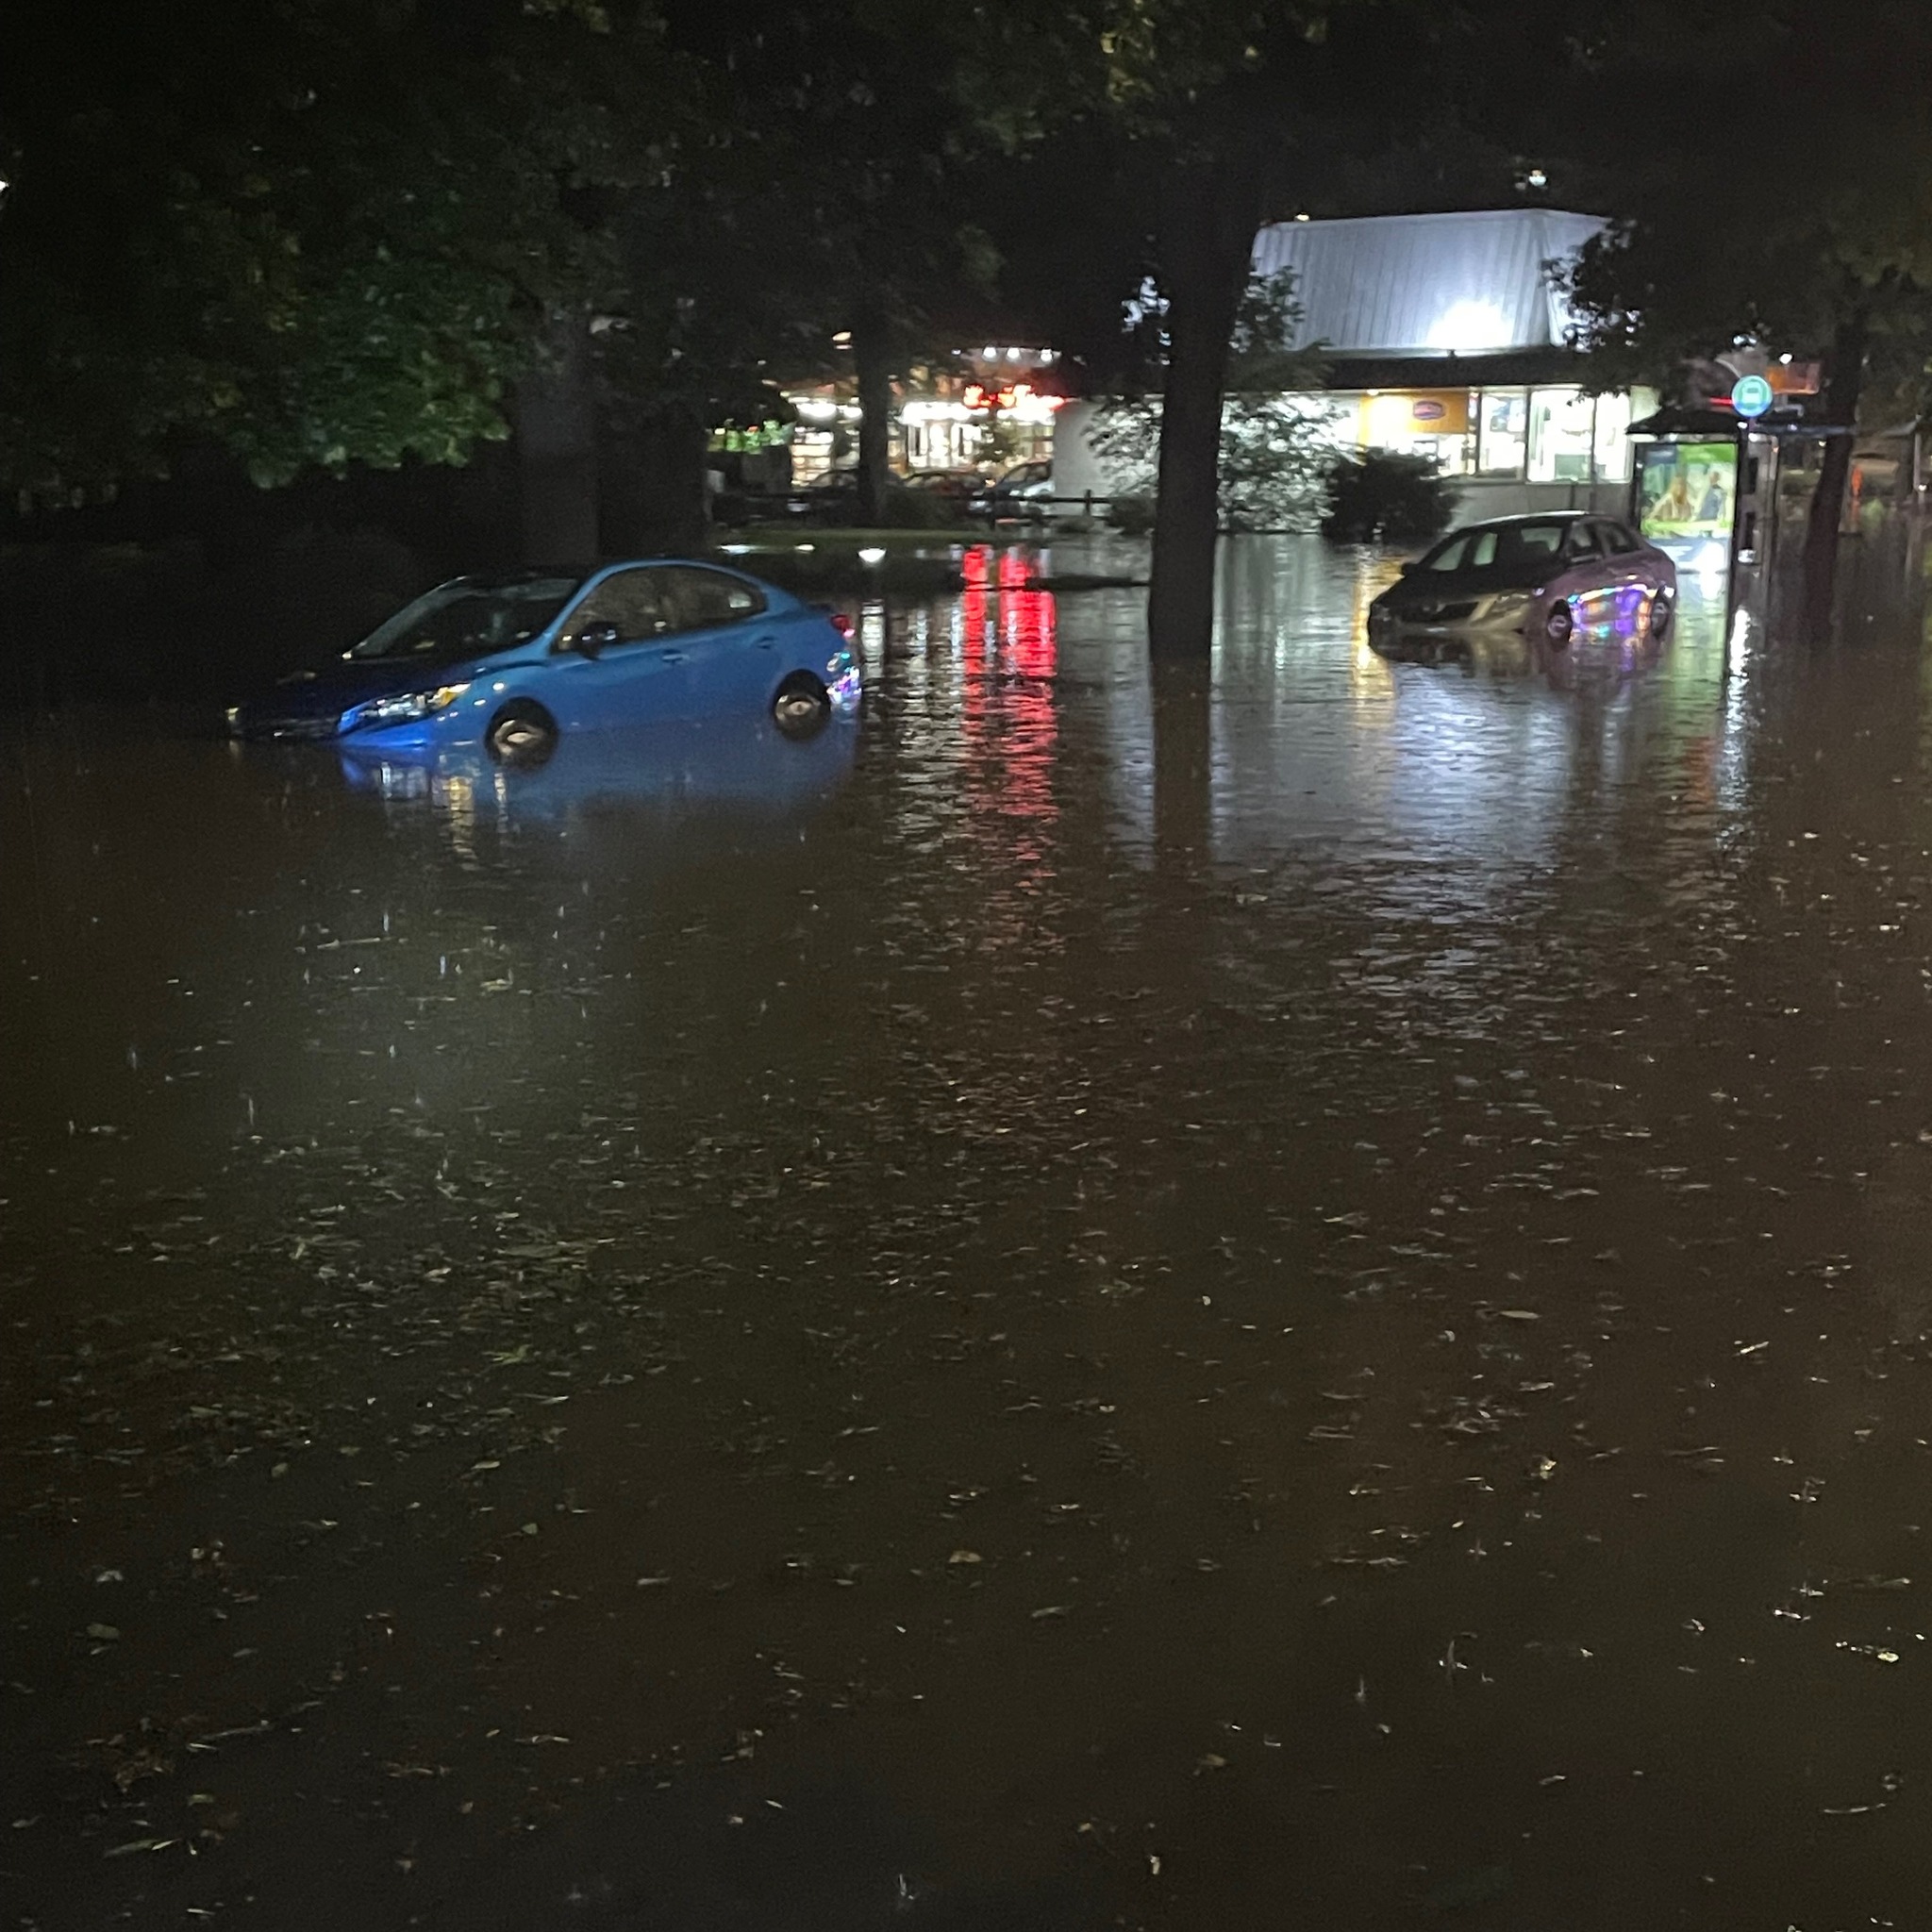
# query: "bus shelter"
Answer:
x=1711 y=489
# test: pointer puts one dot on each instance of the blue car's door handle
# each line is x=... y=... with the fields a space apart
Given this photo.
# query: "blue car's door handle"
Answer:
x=671 y=658
x=767 y=643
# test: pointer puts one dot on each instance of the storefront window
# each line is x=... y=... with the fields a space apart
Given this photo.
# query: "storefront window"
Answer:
x=1560 y=440
x=811 y=454
x=1423 y=422
x=1613 y=415
x=1502 y=433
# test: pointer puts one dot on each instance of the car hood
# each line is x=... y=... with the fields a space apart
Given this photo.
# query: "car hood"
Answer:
x=310 y=696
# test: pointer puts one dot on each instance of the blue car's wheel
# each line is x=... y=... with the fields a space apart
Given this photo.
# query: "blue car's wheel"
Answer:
x=1558 y=624
x=521 y=734
x=802 y=705
x=1660 y=617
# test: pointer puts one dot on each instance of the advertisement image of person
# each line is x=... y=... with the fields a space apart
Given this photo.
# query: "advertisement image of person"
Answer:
x=1710 y=506
x=1673 y=505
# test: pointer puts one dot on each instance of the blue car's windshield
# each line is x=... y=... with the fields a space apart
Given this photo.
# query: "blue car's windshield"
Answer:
x=468 y=618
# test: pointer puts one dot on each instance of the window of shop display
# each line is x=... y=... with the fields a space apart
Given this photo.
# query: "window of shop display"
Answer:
x=1423 y=422
x=1612 y=444
x=1559 y=436
x=1502 y=432
x=1614 y=416
x=811 y=454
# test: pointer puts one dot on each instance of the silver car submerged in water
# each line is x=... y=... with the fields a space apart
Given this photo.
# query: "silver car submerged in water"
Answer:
x=1546 y=575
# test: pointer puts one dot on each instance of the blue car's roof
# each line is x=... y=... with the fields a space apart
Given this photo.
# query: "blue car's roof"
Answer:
x=588 y=573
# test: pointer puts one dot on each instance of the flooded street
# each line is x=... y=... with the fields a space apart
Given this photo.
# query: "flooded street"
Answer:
x=1305 y=1302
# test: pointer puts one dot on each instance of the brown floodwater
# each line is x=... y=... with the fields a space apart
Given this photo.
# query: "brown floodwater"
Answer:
x=1301 y=1301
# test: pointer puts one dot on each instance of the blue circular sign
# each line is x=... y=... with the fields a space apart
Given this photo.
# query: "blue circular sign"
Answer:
x=1751 y=395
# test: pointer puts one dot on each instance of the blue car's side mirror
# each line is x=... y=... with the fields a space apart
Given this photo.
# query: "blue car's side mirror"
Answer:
x=595 y=638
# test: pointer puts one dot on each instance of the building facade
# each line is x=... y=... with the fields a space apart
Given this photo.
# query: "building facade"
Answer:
x=1444 y=336
x=986 y=408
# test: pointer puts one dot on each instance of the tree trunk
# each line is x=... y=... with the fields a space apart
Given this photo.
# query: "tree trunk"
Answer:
x=871 y=354
x=1207 y=246
x=1183 y=766
x=1842 y=391
x=557 y=447
x=652 y=482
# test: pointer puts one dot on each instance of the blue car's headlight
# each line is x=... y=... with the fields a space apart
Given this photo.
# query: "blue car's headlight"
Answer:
x=405 y=708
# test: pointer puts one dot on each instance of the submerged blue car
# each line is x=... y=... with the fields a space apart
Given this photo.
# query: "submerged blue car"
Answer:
x=512 y=662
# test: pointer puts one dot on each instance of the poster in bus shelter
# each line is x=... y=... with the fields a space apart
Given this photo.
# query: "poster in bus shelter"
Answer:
x=1687 y=493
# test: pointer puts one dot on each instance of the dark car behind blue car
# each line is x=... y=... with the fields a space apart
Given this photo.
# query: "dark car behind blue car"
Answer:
x=512 y=662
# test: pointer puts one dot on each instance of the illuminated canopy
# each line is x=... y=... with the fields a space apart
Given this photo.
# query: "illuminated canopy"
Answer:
x=1428 y=285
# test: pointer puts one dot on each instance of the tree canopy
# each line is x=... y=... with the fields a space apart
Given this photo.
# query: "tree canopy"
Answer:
x=314 y=234
x=1803 y=225
x=1815 y=212
x=840 y=166
x=339 y=231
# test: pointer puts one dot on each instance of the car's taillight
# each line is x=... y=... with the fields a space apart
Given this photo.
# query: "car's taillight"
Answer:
x=841 y=623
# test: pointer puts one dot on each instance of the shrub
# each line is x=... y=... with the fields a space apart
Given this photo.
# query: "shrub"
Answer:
x=1132 y=516
x=917 y=509
x=1383 y=497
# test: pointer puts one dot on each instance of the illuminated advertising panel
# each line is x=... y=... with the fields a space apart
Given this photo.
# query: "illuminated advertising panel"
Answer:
x=1687 y=497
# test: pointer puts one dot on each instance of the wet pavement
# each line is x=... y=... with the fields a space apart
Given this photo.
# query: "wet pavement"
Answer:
x=1303 y=1303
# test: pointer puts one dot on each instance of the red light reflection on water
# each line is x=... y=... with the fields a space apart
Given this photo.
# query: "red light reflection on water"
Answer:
x=1009 y=722
x=1026 y=619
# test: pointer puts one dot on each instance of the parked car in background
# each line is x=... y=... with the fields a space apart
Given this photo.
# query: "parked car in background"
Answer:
x=1546 y=575
x=831 y=498
x=1024 y=490
x=512 y=662
x=964 y=490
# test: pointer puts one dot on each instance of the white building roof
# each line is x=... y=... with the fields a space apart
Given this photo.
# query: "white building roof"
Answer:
x=1427 y=285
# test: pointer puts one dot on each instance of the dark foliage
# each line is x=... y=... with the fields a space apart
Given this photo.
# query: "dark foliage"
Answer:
x=1383 y=497
x=918 y=509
